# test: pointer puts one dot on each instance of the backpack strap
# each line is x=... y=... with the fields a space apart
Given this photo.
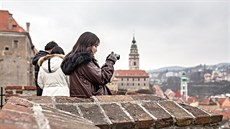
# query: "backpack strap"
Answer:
x=49 y=65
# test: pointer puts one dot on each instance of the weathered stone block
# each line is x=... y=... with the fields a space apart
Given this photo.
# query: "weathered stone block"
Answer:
x=182 y=117
x=61 y=119
x=68 y=108
x=59 y=99
x=17 y=126
x=164 y=119
x=141 y=118
x=20 y=101
x=201 y=117
x=114 y=98
x=117 y=116
x=30 y=87
x=17 y=117
x=38 y=99
x=55 y=123
x=215 y=118
x=13 y=87
x=146 y=97
x=94 y=113
x=19 y=91
x=19 y=108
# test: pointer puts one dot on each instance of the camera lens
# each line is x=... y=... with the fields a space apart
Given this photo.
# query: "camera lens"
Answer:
x=117 y=56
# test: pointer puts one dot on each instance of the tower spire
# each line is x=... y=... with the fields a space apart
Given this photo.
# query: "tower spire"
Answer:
x=134 y=41
x=133 y=56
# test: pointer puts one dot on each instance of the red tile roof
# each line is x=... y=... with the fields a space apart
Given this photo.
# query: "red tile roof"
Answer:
x=207 y=101
x=4 y=23
x=131 y=73
x=158 y=91
x=221 y=100
x=223 y=111
x=192 y=100
x=178 y=94
x=169 y=93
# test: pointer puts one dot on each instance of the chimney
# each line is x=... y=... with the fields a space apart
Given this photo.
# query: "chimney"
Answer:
x=10 y=21
x=27 y=27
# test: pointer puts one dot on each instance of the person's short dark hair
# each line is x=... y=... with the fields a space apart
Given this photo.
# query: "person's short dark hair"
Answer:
x=50 y=45
x=57 y=50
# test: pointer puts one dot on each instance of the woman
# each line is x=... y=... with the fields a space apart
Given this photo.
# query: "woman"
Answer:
x=50 y=77
x=86 y=77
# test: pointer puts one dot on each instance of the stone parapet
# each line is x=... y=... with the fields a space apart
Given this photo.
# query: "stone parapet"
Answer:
x=105 y=112
x=20 y=91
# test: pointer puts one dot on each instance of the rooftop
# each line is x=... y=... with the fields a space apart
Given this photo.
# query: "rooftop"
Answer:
x=8 y=23
x=131 y=73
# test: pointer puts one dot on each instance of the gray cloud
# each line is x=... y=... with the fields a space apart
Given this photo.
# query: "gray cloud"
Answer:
x=168 y=32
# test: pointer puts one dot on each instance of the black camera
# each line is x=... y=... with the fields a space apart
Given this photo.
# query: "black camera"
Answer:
x=117 y=56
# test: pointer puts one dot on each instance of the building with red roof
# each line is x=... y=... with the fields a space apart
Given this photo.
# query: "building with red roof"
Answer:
x=134 y=78
x=16 y=52
x=8 y=23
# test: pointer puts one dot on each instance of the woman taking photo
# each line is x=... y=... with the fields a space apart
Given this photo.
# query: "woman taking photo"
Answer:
x=86 y=77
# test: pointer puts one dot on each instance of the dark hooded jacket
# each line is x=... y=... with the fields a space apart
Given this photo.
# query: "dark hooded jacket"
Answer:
x=35 y=61
x=86 y=77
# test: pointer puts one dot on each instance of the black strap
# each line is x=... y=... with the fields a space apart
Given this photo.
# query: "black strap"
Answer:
x=49 y=65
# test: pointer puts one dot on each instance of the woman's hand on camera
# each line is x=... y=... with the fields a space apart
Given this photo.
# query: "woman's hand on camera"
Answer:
x=112 y=57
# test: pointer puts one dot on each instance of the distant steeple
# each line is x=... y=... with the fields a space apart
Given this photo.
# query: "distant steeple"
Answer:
x=134 y=56
x=134 y=41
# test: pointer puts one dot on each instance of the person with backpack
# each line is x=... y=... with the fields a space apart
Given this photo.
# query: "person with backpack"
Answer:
x=50 y=76
x=48 y=48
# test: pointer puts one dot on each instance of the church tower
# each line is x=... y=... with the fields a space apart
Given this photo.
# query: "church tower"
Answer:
x=133 y=56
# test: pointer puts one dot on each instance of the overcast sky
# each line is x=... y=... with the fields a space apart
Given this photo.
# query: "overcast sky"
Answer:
x=167 y=32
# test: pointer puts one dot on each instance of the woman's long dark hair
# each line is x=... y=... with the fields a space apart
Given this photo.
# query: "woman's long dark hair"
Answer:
x=84 y=42
x=82 y=48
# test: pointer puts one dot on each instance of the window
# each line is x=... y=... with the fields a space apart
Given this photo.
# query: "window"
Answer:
x=134 y=63
x=7 y=48
x=15 y=44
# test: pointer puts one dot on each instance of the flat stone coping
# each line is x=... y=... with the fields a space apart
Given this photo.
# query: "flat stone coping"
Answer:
x=105 y=112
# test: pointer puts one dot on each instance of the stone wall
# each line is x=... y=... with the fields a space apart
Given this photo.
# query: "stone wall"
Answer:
x=105 y=112
x=16 y=59
x=17 y=91
x=20 y=91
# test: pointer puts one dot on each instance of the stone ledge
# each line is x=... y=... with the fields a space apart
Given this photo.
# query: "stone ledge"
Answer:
x=105 y=112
